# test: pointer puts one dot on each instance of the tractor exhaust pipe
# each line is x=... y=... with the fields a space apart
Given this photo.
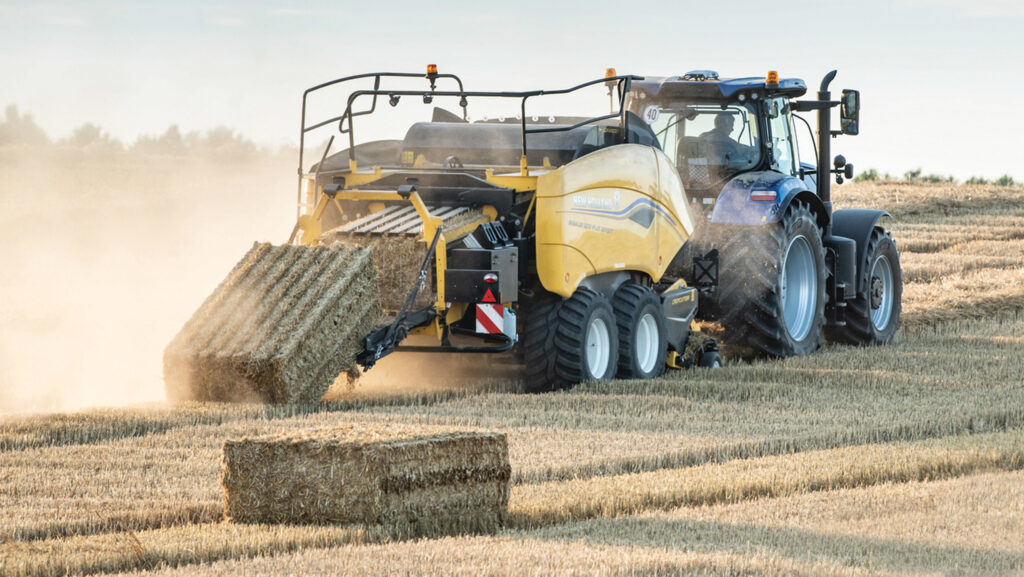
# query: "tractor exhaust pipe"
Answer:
x=824 y=141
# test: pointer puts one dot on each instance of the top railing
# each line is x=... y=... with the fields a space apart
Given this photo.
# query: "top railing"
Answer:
x=621 y=84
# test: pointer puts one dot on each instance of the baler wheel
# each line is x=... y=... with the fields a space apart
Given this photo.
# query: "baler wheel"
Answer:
x=641 y=329
x=586 y=339
x=540 y=318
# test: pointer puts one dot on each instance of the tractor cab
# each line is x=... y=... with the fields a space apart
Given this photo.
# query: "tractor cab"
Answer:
x=716 y=129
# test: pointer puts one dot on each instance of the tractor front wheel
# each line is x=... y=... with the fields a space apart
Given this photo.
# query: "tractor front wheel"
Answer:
x=873 y=317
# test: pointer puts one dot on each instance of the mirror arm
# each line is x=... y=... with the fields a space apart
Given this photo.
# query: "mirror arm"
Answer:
x=809 y=105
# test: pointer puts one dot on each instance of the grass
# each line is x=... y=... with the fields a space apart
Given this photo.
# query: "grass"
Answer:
x=773 y=476
x=509 y=555
x=171 y=547
x=911 y=391
x=536 y=506
x=805 y=466
x=966 y=526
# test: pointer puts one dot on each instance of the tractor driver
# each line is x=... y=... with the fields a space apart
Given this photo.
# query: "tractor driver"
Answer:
x=720 y=144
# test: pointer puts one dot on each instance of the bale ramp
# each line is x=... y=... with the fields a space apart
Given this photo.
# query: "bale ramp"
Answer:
x=413 y=481
x=281 y=328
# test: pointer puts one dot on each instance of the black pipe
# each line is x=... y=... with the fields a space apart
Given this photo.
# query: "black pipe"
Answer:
x=824 y=149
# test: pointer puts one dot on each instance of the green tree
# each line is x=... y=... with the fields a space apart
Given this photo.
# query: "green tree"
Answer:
x=93 y=137
x=869 y=174
x=18 y=128
x=170 y=143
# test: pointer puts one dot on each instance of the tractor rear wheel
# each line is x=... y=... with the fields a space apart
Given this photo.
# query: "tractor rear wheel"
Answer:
x=586 y=340
x=641 y=331
x=772 y=285
x=873 y=317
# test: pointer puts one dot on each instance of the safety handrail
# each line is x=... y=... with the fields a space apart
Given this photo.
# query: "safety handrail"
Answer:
x=622 y=85
x=303 y=129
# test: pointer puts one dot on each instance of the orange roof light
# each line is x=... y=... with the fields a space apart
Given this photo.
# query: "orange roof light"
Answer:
x=431 y=69
x=773 y=79
x=609 y=73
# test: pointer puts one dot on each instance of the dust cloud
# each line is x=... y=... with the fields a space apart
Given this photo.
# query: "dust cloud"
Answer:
x=106 y=254
x=405 y=373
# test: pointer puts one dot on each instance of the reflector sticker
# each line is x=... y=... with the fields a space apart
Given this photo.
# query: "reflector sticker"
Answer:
x=490 y=319
x=763 y=195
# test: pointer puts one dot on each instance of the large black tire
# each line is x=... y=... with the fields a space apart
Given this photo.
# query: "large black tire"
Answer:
x=586 y=340
x=540 y=319
x=752 y=298
x=641 y=329
x=873 y=317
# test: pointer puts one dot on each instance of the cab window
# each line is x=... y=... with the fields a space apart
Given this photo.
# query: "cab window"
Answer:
x=781 y=126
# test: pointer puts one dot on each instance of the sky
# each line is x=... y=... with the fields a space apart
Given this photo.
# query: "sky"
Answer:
x=937 y=77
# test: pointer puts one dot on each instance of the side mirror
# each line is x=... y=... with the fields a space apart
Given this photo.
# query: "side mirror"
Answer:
x=849 y=112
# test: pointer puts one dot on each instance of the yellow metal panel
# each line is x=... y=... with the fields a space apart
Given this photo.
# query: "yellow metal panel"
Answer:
x=564 y=268
x=673 y=197
x=611 y=210
x=517 y=182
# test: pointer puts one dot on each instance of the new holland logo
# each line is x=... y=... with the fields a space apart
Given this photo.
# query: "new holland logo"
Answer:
x=641 y=211
x=597 y=202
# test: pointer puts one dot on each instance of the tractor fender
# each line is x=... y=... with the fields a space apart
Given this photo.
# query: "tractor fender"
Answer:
x=735 y=204
x=858 y=224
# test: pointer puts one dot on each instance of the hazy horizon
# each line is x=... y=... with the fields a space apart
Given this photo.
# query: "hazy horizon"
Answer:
x=137 y=69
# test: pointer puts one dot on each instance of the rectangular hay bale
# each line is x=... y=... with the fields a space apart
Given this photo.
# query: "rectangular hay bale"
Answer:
x=398 y=256
x=413 y=480
x=283 y=325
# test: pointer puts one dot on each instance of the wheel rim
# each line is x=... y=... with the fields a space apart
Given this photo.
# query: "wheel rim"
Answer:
x=799 y=288
x=881 y=292
x=647 y=339
x=598 y=345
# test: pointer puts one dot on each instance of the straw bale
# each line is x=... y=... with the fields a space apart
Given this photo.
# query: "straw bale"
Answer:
x=414 y=480
x=284 y=324
x=398 y=258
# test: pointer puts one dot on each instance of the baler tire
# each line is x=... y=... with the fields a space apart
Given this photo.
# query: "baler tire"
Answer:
x=861 y=327
x=582 y=321
x=638 y=312
x=710 y=360
x=750 y=297
x=540 y=318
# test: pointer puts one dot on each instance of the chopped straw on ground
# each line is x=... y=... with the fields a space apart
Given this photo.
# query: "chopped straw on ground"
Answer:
x=412 y=480
x=284 y=324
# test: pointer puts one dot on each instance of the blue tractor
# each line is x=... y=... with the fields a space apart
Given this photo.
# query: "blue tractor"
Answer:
x=776 y=265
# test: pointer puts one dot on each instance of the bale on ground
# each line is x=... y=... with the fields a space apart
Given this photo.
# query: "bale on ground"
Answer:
x=283 y=325
x=413 y=480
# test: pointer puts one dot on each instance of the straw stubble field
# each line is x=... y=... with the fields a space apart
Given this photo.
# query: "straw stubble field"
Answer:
x=901 y=460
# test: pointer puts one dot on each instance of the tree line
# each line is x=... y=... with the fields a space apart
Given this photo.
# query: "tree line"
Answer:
x=19 y=129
